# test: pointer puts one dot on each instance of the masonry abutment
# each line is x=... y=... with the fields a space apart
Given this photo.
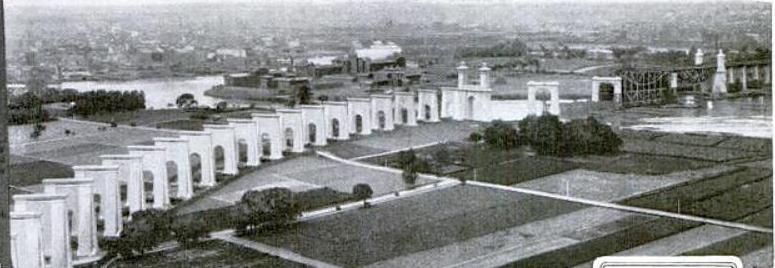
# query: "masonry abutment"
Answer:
x=336 y=116
x=359 y=115
x=79 y=200
x=314 y=120
x=270 y=127
x=293 y=121
x=224 y=136
x=54 y=218
x=106 y=186
x=26 y=239
x=201 y=143
x=246 y=129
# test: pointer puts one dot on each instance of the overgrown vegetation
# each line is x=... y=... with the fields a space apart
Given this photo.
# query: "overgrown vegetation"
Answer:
x=411 y=164
x=548 y=136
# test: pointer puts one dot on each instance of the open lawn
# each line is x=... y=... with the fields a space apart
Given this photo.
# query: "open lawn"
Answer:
x=28 y=171
x=413 y=224
x=212 y=253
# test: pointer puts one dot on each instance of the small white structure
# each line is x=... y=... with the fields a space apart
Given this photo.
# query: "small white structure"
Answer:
x=26 y=239
x=200 y=145
x=314 y=124
x=178 y=153
x=269 y=131
x=359 y=114
x=382 y=112
x=54 y=219
x=554 y=98
x=106 y=187
x=225 y=139
x=336 y=119
x=130 y=175
x=79 y=212
x=155 y=165
x=698 y=57
x=597 y=81
x=246 y=132
x=293 y=130
x=405 y=108
x=428 y=105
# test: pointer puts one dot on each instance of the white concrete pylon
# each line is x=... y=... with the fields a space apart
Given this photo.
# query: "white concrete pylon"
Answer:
x=336 y=119
x=270 y=134
x=428 y=105
x=484 y=76
x=155 y=163
x=178 y=152
x=200 y=143
x=80 y=203
x=315 y=127
x=615 y=81
x=26 y=239
x=54 y=221
x=359 y=115
x=462 y=77
x=225 y=138
x=130 y=172
x=405 y=110
x=246 y=130
x=382 y=112
x=293 y=133
x=106 y=186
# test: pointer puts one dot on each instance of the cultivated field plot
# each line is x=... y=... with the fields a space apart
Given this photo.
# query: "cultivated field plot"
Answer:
x=424 y=133
x=414 y=224
x=707 y=153
x=604 y=186
x=211 y=253
x=302 y=174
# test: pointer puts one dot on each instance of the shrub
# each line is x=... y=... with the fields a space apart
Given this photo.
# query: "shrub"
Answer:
x=37 y=130
x=273 y=207
x=543 y=133
x=147 y=229
x=501 y=136
x=475 y=137
x=362 y=191
x=548 y=136
x=113 y=124
x=189 y=230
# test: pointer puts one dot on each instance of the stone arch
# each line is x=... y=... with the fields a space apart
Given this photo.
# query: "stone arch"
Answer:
x=404 y=116
x=358 y=123
x=246 y=131
x=554 y=103
x=312 y=133
x=381 y=120
x=97 y=206
x=427 y=112
x=335 y=128
x=219 y=158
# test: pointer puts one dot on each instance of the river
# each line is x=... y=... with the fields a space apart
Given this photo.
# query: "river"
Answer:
x=160 y=93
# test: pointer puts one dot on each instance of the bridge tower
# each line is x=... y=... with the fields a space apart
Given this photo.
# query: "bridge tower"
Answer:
x=698 y=57
x=720 y=78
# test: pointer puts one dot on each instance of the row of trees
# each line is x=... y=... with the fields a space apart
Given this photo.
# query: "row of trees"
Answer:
x=101 y=101
x=512 y=48
x=548 y=136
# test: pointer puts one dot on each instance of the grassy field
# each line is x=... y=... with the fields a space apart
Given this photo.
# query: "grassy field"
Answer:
x=417 y=223
x=28 y=171
x=211 y=253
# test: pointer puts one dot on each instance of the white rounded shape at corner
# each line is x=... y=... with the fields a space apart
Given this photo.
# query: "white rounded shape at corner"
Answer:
x=667 y=261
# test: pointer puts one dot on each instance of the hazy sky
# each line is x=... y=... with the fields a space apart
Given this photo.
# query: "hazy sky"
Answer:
x=156 y=2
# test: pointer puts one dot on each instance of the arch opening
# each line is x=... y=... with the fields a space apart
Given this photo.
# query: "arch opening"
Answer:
x=358 y=123
x=266 y=144
x=196 y=168
x=172 y=178
x=242 y=148
x=606 y=91
x=148 y=186
x=335 y=127
x=219 y=157
x=382 y=119
x=312 y=132
x=288 y=139
x=470 y=107
x=427 y=112
x=97 y=201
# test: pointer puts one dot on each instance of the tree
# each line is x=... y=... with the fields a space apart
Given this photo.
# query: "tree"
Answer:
x=37 y=130
x=304 y=95
x=273 y=207
x=147 y=229
x=221 y=106
x=588 y=136
x=362 y=192
x=543 y=133
x=186 y=100
x=501 y=136
x=401 y=62
x=411 y=164
x=189 y=230
x=409 y=175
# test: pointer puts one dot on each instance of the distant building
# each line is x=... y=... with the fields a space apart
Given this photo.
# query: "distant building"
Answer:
x=600 y=54
x=374 y=58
